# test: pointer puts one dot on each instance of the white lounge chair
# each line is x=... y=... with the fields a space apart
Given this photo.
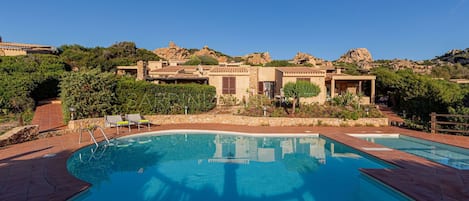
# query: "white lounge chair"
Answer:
x=137 y=119
x=117 y=121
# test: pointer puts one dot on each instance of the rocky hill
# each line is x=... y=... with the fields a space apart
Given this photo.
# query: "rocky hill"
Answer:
x=359 y=56
x=358 y=59
x=308 y=59
x=454 y=57
x=258 y=58
x=173 y=52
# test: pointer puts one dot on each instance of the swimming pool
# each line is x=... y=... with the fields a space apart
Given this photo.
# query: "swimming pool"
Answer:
x=441 y=153
x=205 y=166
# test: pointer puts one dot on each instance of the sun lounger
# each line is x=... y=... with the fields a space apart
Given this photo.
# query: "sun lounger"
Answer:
x=117 y=121
x=137 y=119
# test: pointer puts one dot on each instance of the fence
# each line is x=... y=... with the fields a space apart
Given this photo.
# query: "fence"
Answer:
x=435 y=122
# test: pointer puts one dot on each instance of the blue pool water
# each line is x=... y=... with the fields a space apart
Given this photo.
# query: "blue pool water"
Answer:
x=441 y=153
x=226 y=167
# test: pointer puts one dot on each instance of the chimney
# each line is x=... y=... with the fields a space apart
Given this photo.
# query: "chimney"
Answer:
x=338 y=71
x=141 y=70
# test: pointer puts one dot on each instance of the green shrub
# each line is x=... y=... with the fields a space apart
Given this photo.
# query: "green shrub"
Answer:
x=147 y=98
x=27 y=79
x=229 y=100
x=92 y=94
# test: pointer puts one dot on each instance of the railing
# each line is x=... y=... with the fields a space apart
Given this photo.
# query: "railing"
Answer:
x=91 y=132
x=434 y=122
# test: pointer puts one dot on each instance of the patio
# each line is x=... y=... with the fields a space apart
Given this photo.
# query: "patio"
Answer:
x=36 y=170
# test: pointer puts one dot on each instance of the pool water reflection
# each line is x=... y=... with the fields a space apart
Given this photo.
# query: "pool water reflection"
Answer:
x=204 y=166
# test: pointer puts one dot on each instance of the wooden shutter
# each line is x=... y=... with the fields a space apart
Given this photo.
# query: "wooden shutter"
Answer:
x=225 y=84
x=260 y=87
x=232 y=85
x=229 y=85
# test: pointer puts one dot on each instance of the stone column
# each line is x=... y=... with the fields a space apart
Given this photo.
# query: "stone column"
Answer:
x=253 y=79
x=332 y=87
x=359 y=87
x=141 y=70
x=372 y=98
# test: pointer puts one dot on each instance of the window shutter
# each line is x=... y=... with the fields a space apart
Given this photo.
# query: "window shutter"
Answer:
x=260 y=87
x=229 y=85
x=233 y=85
x=225 y=84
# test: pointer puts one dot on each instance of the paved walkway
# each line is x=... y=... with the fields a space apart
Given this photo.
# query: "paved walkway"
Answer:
x=393 y=118
x=49 y=116
x=36 y=170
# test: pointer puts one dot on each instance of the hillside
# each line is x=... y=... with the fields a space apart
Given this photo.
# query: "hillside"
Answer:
x=174 y=52
x=454 y=57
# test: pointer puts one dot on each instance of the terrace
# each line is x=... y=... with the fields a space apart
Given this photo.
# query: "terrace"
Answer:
x=36 y=170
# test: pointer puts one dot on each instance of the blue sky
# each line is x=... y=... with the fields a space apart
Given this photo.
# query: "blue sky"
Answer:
x=415 y=29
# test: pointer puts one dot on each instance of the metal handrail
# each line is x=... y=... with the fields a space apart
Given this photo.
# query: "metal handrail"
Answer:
x=104 y=134
x=92 y=135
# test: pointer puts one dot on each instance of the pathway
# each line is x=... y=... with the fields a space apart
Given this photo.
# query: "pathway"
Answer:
x=393 y=118
x=49 y=116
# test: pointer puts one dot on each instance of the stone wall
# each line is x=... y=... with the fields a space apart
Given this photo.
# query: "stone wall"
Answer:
x=242 y=120
x=19 y=134
x=74 y=125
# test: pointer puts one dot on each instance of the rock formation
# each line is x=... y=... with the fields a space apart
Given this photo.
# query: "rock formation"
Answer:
x=172 y=52
x=453 y=57
x=305 y=58
x=258 y=58
x=399 y=64
x=360 y=56
x=205 y=51
x=356 y=55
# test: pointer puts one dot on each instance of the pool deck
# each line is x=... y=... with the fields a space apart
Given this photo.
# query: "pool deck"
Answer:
x=36 y=170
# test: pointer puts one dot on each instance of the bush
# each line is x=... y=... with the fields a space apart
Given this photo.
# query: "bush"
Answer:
x=92 y=94
x=26 y=79
x=229 y=100
x=147 y=98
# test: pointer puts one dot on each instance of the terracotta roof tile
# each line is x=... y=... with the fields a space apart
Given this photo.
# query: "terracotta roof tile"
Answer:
x=169 y=69
x=302 y=70
x=229 y=70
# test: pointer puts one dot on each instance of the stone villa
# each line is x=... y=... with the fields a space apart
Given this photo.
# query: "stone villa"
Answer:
x=16 y=49
x=244 y=81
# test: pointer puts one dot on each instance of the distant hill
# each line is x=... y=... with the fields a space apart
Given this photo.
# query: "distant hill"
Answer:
x=174 y=52
x=454 y=57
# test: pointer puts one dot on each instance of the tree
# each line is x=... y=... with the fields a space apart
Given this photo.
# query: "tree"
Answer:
x=20 y=104
x=299 y=89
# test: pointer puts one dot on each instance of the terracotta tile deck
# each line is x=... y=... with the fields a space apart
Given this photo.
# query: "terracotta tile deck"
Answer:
x=27 y=173
x=49 y=116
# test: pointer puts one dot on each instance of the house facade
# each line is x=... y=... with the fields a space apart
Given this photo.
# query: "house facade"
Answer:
x=16 y=49
x=241 y=82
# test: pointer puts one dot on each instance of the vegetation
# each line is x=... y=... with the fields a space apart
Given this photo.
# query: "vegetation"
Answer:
x=279 y=63
x=419 y=95
x=456 y=71
x=147 y=98
x=104 y=59
x=257 y=104
x=203 y=60
x=25 y=80
x=300 y=89
x=349 y=68
x=94 y=94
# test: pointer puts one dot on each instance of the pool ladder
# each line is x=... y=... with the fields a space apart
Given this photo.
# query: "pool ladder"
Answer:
x=91 y=132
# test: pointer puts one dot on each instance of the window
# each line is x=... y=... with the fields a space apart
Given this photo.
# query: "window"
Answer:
x=260 y=88
x=229 y=85
x=307 y=79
